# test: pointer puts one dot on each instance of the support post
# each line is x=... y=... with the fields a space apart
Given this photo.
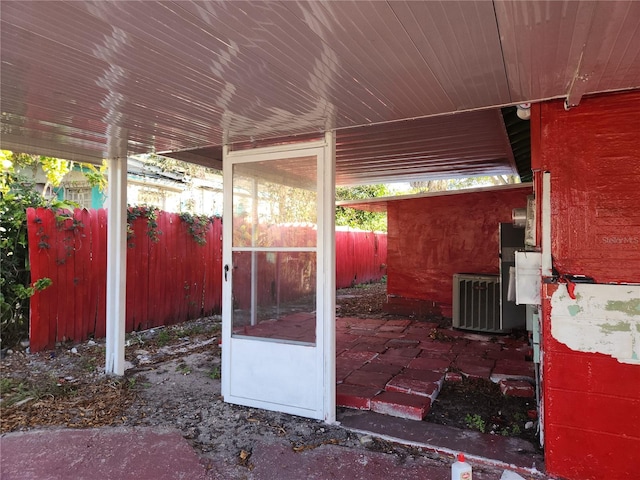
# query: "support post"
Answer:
x=329 y=277
x=116 y=256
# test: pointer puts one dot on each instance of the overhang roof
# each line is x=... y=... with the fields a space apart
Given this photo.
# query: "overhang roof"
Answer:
x=413 y=88
x=380 y=204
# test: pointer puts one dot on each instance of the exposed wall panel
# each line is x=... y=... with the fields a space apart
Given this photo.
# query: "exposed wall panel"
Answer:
x=432 y=238
x=591 y=409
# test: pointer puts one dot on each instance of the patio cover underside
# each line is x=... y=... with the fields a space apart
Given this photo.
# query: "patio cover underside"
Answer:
x=413 y=89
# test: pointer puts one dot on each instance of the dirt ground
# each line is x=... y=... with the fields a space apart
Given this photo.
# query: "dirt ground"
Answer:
x=174 y=381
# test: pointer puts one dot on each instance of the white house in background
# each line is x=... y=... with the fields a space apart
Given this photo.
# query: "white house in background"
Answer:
x=173 y=191
x=170 y=191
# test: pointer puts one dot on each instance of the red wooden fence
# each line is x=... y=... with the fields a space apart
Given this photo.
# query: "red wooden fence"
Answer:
x=361 y=257
x=169 y=280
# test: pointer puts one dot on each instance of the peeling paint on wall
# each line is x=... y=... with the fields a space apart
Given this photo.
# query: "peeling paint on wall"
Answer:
x=631 y=307
x=602 y=319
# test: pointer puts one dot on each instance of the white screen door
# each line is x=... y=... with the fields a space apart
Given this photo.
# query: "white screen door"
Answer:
x=278 y=308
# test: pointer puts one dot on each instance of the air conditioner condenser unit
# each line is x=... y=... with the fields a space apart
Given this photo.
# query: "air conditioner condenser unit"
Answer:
x=476 y=302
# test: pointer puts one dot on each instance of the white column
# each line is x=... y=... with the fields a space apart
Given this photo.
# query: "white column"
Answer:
x=328 y=248
x=116 y=256
x=227 y=272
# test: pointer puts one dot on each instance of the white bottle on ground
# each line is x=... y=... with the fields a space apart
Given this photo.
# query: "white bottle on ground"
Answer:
x=460 y=470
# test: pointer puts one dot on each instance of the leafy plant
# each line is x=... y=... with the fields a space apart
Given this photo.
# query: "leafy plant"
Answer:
x=148 y=212
x=351 y=217
x=475 y=422
x=215 y=373
x=163 y=337
x=197 y=226
x=96 y=176
x=55 y=169
x=5 y=384
x=17 y=194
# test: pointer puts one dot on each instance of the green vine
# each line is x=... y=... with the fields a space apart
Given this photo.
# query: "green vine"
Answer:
x=144 y=211
x=197 y=226
x=65 y=219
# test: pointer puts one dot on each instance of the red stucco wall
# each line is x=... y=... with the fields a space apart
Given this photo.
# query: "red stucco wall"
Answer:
x=593 y=154
x=591 y=400
x=431 y=238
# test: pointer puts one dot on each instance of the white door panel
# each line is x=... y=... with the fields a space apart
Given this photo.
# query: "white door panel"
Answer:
x=278 y=348
x=266 y=379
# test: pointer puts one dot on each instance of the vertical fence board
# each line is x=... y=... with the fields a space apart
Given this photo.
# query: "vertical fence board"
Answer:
x=180 y=305
x=50 y=300
x=176 y=306
x=55 y=274
x=58 y=245
x=156 y=279
x=86 y=325
x=142 y=287
x=133 y=237
x=217 y=278
x=205 y=265
x=155 y=269
x=213 y=277
x=81 y=258
x=208 y=268
x=93 y=270
x=131 y=274
x=101 y=258
x=169 y=273
x=194 y=274
x=157 y=283
x=200 y=264
x=339 y=242
x=48 y=222
x=39 y=319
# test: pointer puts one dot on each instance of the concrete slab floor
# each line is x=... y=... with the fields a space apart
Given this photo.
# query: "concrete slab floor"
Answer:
x=104 y=453
x=495 y=450
x=151 y=454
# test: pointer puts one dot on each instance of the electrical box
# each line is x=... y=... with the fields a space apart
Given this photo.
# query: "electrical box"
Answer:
x=528 y=277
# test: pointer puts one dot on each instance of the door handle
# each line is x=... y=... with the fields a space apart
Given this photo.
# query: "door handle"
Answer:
x=226 y=270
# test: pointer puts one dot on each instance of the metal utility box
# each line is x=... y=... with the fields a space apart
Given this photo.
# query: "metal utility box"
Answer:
x=511 y=241
x=476 y=302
